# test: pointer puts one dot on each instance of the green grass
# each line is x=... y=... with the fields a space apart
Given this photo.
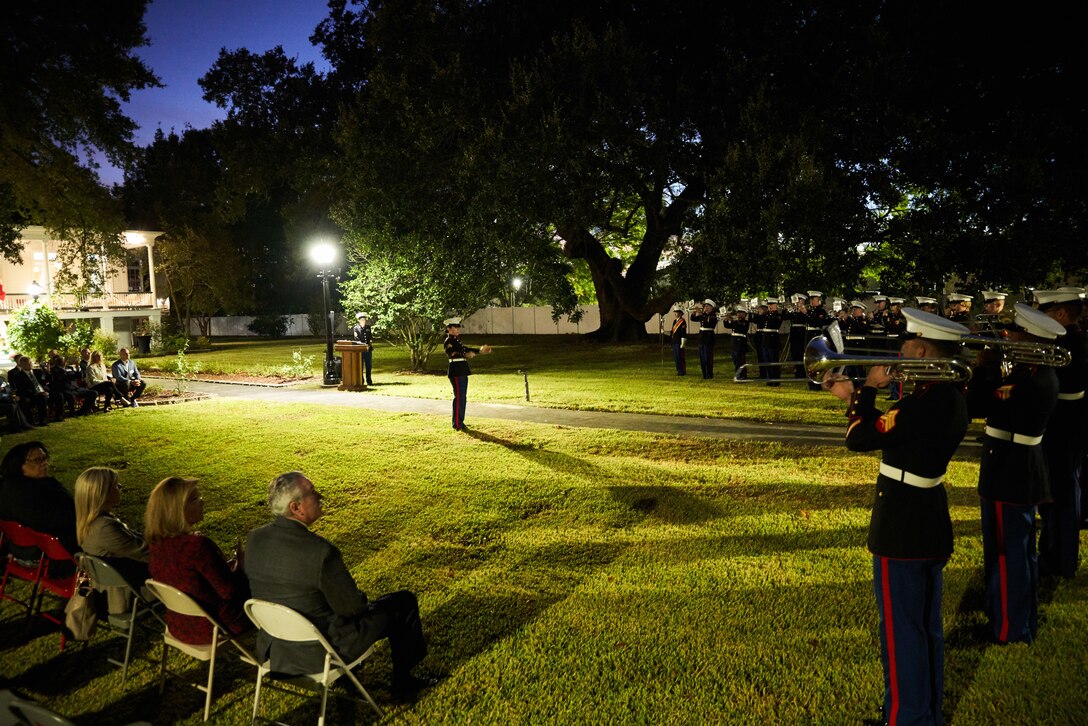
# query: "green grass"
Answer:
x=563 y=371
x=566 y=575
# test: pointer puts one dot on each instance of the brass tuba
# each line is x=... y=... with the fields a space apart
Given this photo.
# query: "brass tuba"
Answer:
x=1025 y=352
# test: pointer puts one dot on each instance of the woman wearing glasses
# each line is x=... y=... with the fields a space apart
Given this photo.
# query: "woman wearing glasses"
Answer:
x=29 y=496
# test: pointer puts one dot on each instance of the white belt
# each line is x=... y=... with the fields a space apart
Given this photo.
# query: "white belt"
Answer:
x=707 y=330
x=1015 y=438
x=855 y=337
x=766 y=330
x=457 y=360
x=740 y=335
x=1071 y=396
x=810 y=328
x=907 y=478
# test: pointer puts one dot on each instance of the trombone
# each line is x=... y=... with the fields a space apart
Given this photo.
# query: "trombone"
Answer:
x=1026 y=352
x=821 y=357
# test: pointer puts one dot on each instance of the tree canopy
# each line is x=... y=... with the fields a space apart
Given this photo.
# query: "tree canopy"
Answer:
x=65 y=68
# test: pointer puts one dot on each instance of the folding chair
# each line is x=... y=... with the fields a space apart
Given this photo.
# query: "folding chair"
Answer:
x=62 y=585
x=20 y=536
x=103 y=574
x=283 y=623
x=178 y=602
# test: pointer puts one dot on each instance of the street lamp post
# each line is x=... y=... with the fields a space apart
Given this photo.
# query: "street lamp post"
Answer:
x=324 y=255
x=516 y=283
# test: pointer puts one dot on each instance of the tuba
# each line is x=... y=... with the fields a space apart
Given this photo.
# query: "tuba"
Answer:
x=1026 y=352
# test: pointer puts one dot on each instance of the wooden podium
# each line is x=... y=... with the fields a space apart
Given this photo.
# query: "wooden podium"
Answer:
x=353 y=370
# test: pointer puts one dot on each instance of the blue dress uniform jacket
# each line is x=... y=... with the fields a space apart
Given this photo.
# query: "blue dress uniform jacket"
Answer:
x=854 y=331
x=455 y=352
x=918 y=435
x=362 y=334
x=1017 y=409
x=707 y=323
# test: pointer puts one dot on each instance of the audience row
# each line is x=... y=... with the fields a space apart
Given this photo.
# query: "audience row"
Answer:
x=30 y=392
x=281 y=562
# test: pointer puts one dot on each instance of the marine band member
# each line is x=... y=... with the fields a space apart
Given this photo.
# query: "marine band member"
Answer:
x=679 y=337
x=708 y=321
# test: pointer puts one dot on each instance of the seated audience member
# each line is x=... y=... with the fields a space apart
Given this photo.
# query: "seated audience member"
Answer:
x=101 y=382
x=192 y=563
x=32 y=395
x=9 y=408
x=63 y=391
x=102 y=534
x=29 y=496
x=84 y=361
x=290 y=565
x=127 y=378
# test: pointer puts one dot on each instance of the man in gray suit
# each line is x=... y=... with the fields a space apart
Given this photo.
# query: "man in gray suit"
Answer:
x=288 y=564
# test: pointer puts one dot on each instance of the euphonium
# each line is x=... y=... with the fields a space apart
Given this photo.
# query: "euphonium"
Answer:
x=820 y=357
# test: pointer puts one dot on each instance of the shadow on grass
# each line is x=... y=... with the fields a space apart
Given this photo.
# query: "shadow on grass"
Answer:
x=666 y=504
x=966 y=643
x=562 y=463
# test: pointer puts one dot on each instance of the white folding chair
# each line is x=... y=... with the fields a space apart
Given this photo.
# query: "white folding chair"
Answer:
x=178 y=602
x=283 y=623
x=103 y=574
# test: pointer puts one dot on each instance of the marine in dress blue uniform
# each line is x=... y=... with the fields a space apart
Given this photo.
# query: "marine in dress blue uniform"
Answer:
x=959 y=307
x=738 y=331
x=798 y=340
x=771 y=340
x=816 y=321
x=910 y=530
x=707 y=319
x=679 y=336
x=1013 y=476
x=363 y=335
x=458 y=354
x=856 y=327
x=1065 y=440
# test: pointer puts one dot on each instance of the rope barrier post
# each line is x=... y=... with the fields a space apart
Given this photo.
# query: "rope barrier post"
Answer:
x=525 y=375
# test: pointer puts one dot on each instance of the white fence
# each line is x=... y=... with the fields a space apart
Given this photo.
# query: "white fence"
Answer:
x=488 y=321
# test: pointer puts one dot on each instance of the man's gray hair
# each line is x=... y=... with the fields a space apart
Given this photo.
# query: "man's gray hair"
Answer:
x=283 y=490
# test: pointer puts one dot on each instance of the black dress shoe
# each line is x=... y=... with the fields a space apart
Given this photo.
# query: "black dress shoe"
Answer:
x=407 y=691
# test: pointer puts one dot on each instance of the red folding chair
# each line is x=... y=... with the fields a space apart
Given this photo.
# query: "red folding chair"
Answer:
x=30 y=571
x=56 y=556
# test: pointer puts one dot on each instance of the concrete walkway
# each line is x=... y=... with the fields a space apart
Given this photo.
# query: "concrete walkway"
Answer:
x=714 y=428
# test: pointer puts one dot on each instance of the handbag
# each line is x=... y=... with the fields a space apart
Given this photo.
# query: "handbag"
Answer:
x=81 y=612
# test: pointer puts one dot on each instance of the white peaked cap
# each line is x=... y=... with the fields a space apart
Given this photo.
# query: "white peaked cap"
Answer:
x=958 y=297
x=1037 y=323
x=1065 y=294
x=451 y=321
x=709 y=302
x=926 y=300
x=933 y=327
x=815 y=293
x=994 y=295
x=858 y=304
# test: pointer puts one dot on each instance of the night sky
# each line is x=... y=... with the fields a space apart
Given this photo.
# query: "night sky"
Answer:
x=186 y=36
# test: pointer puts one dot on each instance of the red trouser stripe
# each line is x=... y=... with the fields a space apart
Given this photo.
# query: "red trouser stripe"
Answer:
x=1002 y=570
x=889 y=636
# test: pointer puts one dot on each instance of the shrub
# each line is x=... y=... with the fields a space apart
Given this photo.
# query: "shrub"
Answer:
x=80 y=336
x=269 y=326
x=300 y=366
x=105 y=343
x=203 y=342
x=167 y=337
x=35 y=330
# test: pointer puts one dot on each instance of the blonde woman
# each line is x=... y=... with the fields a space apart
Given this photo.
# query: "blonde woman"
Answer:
x=193 y=563
x=102 y=534
x=100 y=381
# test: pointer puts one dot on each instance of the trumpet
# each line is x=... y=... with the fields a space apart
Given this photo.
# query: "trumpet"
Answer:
x=1026 y=352
x=821 y=357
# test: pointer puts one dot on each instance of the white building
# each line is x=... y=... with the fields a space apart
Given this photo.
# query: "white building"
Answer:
x=130 y=297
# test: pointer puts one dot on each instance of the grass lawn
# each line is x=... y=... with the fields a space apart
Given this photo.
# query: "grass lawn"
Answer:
x=564 y=575
x=563 y=371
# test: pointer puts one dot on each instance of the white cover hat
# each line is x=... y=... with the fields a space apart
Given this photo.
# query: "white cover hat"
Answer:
x=959 y=297
x=858 y=304
x=452 y=321
x=994 y=295
x=772 y=301
x=926 y=300
x=678 y=308
x=709 y=302
x=741 y=309
x=895 y=301
x=1037 y=323
x=1064 y=294
x=878 y=298
x=815 y=293
x=362 y=315
x=933 y=327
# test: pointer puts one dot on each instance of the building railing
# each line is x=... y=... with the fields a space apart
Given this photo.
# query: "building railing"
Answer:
x=68 y=301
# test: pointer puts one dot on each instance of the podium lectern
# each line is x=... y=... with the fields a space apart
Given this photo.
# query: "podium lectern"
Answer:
x=353 y=374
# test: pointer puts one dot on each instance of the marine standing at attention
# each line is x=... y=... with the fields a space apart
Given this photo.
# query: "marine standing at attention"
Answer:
x=679 y=340
x=458 y=354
